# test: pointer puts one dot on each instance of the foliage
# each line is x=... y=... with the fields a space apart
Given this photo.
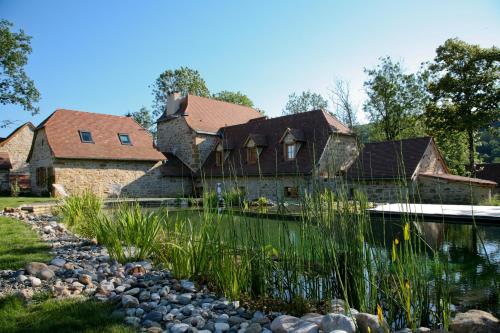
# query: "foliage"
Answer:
x=15 y=85
x=341 y=99
x=129 y=233
x=233 y=197
x=144 y=118
x=453 y=148
x=307 y=101
x=81 y=212
x=233 y=97
x=15 y=189
x=465 y=90
x=48 y=315
x=183 y=80
x=489 y=143
x=395 y=99
x=20 y=245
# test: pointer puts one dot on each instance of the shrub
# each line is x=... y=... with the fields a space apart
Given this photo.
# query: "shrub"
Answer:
x=15 y=189
x=233 y=197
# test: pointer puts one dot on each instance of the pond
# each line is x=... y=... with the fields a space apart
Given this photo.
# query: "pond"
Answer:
x=472 y=255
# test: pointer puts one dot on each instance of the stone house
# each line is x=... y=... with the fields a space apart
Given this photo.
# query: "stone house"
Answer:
x=102 y=153
x=412 y=170
x=490 y=171
x=5 y=167
x=279 y=158
x=17 y=147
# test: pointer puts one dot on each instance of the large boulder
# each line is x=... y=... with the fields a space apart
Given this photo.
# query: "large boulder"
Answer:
x=337 y=321
x=35 y=268
x=282 y=324
x=368 y=323
x=475 y=321
x=129 y=301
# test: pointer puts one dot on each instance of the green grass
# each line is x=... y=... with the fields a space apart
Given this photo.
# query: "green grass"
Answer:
x=13 y=202
x=20 y=245
x=51 y=315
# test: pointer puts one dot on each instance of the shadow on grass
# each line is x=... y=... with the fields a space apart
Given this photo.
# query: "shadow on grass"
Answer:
x=52 y=315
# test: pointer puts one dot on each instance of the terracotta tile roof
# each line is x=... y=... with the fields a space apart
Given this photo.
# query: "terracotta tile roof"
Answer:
x=14 y=132
x=489 y=171
x=5 y=161
x=461 y=179
x=208 y=115
x=335 y=124
x=315 y=129
x=63 y=136
x=389 y=159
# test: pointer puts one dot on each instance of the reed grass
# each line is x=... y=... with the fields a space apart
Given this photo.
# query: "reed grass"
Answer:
x=81 y=212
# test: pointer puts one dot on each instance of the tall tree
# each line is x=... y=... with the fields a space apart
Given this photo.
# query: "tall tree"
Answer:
x=395 y=99
x=304 y=102
x=15 y=85
x=144 y=118
x=184 y=80
x=465 y=90
x=233 y=97
x=341 y=99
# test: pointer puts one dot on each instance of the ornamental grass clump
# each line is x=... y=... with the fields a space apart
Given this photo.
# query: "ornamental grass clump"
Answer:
x=81 y=212
x=130 y=233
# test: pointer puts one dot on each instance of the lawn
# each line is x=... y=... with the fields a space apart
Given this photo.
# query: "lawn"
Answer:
x=20 y=245
x=13 y=202
x=51 y=315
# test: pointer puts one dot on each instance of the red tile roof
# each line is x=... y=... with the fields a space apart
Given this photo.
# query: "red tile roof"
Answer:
x=63 y=126
x=5 y=161
x=461 y=179
x=209 y=115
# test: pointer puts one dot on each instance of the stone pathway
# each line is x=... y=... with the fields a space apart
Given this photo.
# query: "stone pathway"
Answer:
x=153 y=301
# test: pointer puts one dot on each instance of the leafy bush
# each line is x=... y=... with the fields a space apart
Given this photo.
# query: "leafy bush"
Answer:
x=233 y=197
x=15 y=189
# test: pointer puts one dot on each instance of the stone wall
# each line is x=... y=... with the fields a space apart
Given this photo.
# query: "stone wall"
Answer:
x=205 y=144
x=385 y=191
x=18 y=147
x=255 y=187
x=136 y=178
x=433 y=190
x=41 y=157
x=340 y=152
x=431 y=161
x=174 y=136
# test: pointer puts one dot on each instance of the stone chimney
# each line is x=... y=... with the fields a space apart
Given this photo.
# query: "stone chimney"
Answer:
x=173 y=102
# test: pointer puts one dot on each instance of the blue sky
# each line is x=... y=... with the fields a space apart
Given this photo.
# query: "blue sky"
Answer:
x=102 y=56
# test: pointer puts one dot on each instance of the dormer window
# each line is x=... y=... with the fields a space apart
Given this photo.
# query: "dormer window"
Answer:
x=124 y=139
x=290 y=151
x=86 y=137
x=252 y=155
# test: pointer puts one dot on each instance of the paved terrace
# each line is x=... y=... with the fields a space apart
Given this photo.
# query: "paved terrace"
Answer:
x=457 y=213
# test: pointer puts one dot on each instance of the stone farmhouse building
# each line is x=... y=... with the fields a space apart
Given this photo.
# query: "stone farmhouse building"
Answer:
x=14 y=151
x=202 y=142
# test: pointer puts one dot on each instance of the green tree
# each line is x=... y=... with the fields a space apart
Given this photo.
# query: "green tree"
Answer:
x=233 y=97
x=184 y=80
x=395 y=99
x=304 y=102
x=340 y=96
x=15 y=85
x=144 y=118
x=465 y=91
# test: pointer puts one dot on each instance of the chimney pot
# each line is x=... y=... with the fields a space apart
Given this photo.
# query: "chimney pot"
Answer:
x=173 y=102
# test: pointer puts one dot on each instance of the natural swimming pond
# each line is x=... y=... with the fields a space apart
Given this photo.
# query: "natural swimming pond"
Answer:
x=472 y=255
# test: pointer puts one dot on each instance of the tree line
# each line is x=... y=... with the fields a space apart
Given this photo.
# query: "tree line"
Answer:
x=454 y=98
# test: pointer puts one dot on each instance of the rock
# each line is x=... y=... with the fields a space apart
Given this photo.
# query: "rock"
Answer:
x=129 y=301
x=69 y=266
x=303 y=326
x=85 y=279
x=222 y=327
x=21 y=278
x=338 y=331
x=59 y=262
x=154 y=316
x=253 y=328
x=136 y=271
x=106 y=287
x=179 y=328
x=337 y=321
x=184 y=299
x=235 y=320
x=475 y=321
x=188 y=285
x=366 y=320
x=283 y=323
x=133 y=291
x=423 y=330
x=25 y=294
x=47 y=229
x=133 y=321
x=34 y=268
x=35 y=282
x=46 y=274
x=313 y=318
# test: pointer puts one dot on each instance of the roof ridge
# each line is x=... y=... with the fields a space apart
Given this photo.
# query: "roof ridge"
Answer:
x=400 y=140
x=89 y=112
x=217 y=100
